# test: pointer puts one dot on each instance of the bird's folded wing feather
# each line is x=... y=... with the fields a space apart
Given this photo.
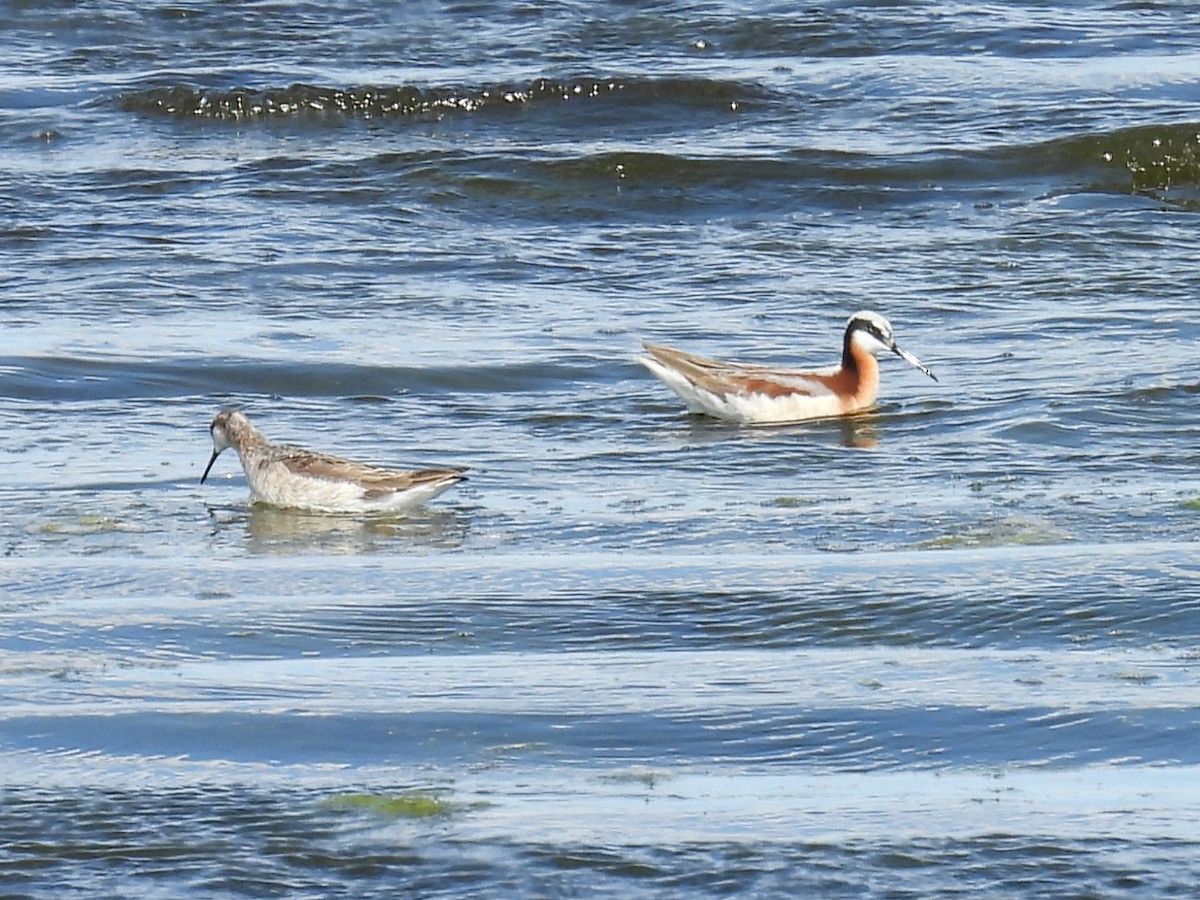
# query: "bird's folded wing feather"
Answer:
x=724 y=378
x=334 y=468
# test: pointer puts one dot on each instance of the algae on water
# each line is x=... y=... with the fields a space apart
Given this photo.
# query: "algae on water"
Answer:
x=406 y=805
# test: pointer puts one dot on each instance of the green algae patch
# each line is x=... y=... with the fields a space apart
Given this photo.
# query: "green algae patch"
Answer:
x=404 y=805
x=407 y=805
x=1193 y=504
x=636 y=775
x=789 y=502
x=1006 y=533
x=86 y=525
x=1136 y=677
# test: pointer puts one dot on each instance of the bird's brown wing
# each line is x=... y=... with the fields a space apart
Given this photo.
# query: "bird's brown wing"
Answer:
x=723 y=378
x=373 y=478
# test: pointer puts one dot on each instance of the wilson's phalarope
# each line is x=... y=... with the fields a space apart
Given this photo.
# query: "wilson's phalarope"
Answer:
x=759 y=395
x=301 y=479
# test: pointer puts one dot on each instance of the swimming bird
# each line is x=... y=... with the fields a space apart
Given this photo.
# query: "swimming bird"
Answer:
x=303 y=479
x=761 y=395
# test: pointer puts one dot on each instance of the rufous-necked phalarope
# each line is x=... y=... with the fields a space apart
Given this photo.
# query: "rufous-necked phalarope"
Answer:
x=761 y=395
x=295 y=478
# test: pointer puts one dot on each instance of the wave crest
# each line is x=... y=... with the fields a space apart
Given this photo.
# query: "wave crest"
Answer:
x=363 y=101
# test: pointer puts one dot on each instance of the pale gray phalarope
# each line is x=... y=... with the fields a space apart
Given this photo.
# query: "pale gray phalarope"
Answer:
x=295 y=478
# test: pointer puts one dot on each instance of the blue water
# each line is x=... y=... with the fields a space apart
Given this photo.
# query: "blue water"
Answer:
x=946 y=648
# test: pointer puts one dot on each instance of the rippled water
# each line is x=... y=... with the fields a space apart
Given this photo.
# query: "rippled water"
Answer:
x=946 y=648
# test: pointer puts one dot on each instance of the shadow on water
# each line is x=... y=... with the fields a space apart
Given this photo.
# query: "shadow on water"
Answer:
x=285 y=532
x=860 y=432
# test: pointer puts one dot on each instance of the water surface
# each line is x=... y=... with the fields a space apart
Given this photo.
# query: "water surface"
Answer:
x=949 y=647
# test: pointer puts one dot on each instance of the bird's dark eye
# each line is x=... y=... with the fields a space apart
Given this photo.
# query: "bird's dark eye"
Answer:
x=872 y=329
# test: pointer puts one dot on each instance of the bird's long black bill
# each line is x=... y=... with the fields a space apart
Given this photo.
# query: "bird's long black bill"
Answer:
x=208 y=468
x=913 y=361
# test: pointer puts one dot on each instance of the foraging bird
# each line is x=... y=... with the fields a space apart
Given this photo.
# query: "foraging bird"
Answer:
x=303 y=479
x=759 y=395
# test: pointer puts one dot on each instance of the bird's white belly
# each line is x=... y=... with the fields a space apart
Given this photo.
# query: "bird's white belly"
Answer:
x=277 y=485
x=760 y=409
